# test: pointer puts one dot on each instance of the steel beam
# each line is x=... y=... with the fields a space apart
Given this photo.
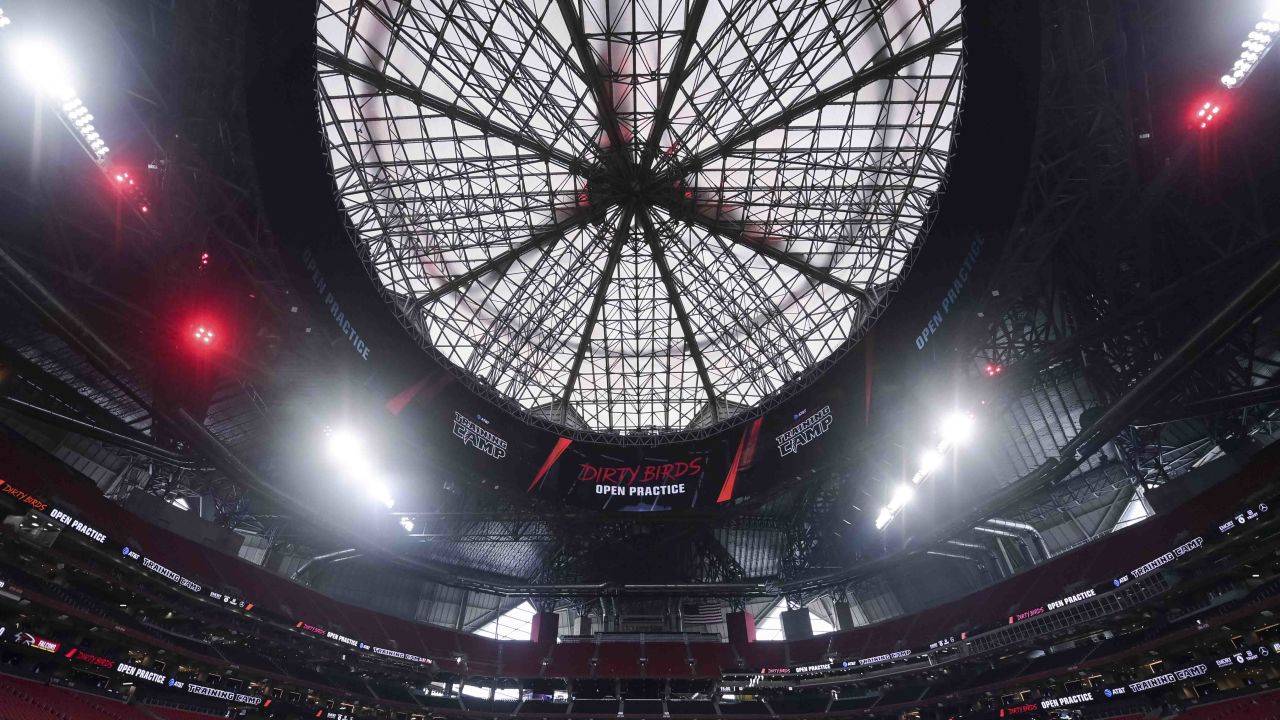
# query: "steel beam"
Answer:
x=606 y=114
x=538 y=239
x=880 y=70
x=662 y=115
x=416 y=95
x=620 y=234
x=734 y=233
x=682 y=314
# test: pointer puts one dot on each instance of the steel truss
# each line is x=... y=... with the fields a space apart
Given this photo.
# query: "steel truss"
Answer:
x=662 y=217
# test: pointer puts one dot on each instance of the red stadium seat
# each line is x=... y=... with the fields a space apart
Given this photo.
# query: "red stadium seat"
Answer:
x=27 y=700
x=172 y=714
x=1254 y=707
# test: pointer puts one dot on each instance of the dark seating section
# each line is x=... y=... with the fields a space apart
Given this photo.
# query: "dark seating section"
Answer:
x=596 y=707
x=173 y=714
x=1254 y=707
x=498 y=707
x=27 y=700
x=743 y=708
x=542 y=707
x=798 y=704
x=391 y=691
x=854 y=703
x=691 y=707
x=436 y=701
x=1108 y=557
x=899 y=695
x=642 y=707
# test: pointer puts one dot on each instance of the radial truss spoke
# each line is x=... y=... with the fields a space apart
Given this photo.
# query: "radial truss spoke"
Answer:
x=386 y=84
x=881 y=70
x=639 y=219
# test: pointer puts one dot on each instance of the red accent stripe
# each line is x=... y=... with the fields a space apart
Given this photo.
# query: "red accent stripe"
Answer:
x=397 y=404
x=749 y=450
x=726 y=491
x=562 y=444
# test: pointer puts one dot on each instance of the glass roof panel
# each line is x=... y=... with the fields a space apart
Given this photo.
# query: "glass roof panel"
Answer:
x=638 y=218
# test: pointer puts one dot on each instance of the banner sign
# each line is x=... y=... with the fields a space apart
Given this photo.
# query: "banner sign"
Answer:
x=1247 y=515
x=1027 y=614
x=95 y=535
x=9 y=489
x=400 y=656
x=97 y=661
x=310 y=628
x=1076 y=699
x=1072 y=599
x=473 y=435
x=804 y=432
x=141 y=673
x=163 y=571
x=1186 y=673
x=887 y=657
x=224 y=694
x=644 y=481
x=235 y=602
x=1167 y=558
x=342 y=638
x=36 y=642
x=331 y=304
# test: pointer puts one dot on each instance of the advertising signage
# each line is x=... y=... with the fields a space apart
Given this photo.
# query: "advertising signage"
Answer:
x=35 y=642
x=223 y=694
x=8 y=488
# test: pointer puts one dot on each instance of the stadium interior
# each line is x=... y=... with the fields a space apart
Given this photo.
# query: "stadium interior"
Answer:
x=643 y=359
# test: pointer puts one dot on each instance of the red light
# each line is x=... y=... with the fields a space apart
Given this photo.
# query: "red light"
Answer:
x=1206 y=113
x=203 y=335
x=994 y=369
x=119 y=178
x=144 y=208
x=688 y=194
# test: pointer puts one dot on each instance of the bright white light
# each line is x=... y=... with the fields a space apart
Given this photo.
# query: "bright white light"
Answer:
x=901 y=496
x=956 y=429
x=883 y=518
x=379 y=492
x=344 y=445
x=347 y=452
x=1255 y=46
x=407 y=524
x=181 y=504
x=42 y=67
x=930 y=461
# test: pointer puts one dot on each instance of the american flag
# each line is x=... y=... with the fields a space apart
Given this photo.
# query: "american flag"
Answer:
x=704 y=613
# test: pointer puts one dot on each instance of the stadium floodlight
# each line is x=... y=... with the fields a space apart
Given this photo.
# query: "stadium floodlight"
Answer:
x=901 y=496
x=343 y=445
x=1254 y=47
x=407 y=524
x=43 y=67
x=930 y=461
x=956 y=429
x=884 y=518
x=347 y=452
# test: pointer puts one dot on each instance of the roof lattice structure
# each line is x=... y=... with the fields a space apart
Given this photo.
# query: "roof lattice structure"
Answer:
x=638 y=219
